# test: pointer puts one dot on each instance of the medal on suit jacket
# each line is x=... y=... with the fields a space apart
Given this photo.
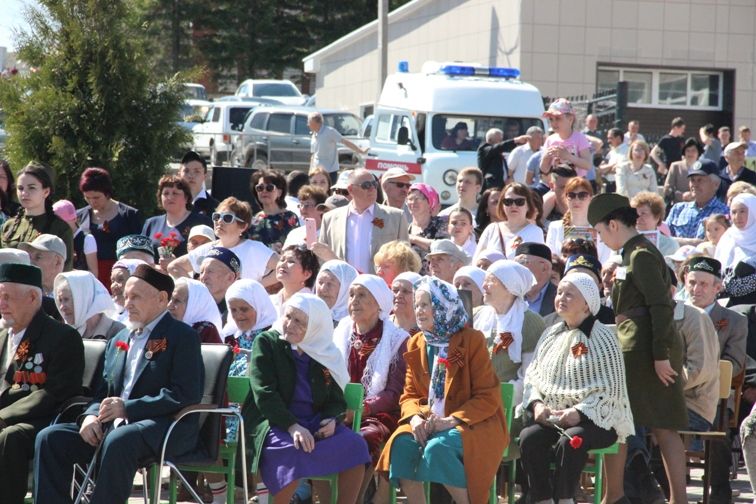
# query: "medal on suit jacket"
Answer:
x=155 y=346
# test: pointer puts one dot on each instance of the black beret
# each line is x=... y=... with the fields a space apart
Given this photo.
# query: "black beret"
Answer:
x=534 y=249
x=160 y=281
x=26 y=274
x=705 y=264
x=603 y=204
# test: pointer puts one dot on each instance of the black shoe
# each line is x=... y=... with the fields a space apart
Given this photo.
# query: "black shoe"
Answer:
x=649 y=490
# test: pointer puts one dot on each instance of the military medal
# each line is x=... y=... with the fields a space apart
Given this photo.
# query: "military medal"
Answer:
x=25 y=386
x=28 y=365
x=37 y=369
x=148 y=354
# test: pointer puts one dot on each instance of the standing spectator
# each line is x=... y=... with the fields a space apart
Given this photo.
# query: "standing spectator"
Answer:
x=745 y=137
x=295 y=181
x=396 y=183
x=8 y=204
x=685 y=219
x=554 y=202
x=518 y=158
x=487 y=210
x=193 y=170
x=173 y=196
x=324 y=145
x=669 y=148
x=632 y=135
x=712 y=147
x=724 y=135
x=566 y=145
x=426 y=226
x=355 y=232
x=469 y=182
x=491 y=160
x=271 y=224
x=618 y=151
x=104 y=218
x=533 y=177
x=34 y=190
x=676 y=183
x=591 y=126
x=735 y=154
x=636 y=175
x=85 y=245
x=320 y=178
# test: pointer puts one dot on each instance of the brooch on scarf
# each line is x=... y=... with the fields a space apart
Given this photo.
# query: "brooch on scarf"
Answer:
x=502 y=342
x=154 y=347
x=377 y=223
x=721 y=324
x=579 y=349
x=22 y=352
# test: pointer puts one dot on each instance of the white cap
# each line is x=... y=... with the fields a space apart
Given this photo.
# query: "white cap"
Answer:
x=202 y=230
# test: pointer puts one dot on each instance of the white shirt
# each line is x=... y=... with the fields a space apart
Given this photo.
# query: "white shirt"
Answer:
x=518 y=162
x=626 y=138
x=616 y=156
x=324 y=148
x=201 y=194
x=359 y=234
x=136 y=347
x=14 y=339
x=254 y=257
x=491 y=239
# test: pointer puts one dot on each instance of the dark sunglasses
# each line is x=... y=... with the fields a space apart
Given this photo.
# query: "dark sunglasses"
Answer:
x=582 y=195
x=513 y=201
x=341 y=192
x=265 y=187
x=402 y=185
x=367 y=185
x=226 y=217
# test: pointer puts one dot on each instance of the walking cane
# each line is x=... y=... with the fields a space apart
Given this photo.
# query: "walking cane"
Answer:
x=90 y=469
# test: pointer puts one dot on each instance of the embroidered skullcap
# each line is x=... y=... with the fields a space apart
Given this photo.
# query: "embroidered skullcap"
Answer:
x=588 y=289
x=705 y=264
x=160 y=281
x=225 y=256
x=134 y=242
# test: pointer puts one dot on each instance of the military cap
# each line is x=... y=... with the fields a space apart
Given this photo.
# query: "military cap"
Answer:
x=603 y=204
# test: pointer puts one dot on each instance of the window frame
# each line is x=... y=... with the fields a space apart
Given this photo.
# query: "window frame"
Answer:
x=655 y=82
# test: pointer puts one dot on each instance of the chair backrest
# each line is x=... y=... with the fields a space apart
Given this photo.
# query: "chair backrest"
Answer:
x=354 y=394
x=94 y=360
x=217 y=359
x=238 y=388
x=736 y=387
x=507 y=402
x=725 y=378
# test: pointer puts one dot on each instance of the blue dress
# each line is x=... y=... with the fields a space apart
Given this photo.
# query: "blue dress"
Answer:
x=239 y=367
x=282 y=464
x=439 y=462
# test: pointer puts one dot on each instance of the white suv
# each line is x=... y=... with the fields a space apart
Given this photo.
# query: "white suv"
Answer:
x=283 y=91
x=214 y=136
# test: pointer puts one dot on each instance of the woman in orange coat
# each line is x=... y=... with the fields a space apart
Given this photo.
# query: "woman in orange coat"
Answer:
x=452 y=428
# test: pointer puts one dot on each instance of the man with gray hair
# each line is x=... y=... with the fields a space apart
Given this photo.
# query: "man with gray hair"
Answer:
x=491 y=160
x=41 y=366
x=48 y=253
x=324 y=145
x=518 y=158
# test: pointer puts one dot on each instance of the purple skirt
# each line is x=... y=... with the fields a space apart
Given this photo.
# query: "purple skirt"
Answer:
x=282 y=463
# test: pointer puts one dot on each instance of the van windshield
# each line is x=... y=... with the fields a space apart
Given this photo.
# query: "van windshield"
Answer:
x=466 y=133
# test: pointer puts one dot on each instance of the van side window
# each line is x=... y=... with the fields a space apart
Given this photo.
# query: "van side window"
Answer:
x=258 y=122
x=300 y=125
x=280 y=123
x=216 y=114
x=387 y=127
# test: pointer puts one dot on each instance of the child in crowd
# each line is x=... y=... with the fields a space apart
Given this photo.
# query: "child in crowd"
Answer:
x=84 y=244
x=461 y=231
x=715 y=226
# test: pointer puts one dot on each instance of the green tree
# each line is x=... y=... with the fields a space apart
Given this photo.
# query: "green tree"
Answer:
x=91 y=99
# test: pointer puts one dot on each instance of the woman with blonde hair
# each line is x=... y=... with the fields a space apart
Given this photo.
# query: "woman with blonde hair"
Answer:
x=635 y=174
x=396 y=257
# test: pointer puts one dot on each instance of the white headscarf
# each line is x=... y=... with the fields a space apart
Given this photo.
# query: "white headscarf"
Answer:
x=89 y=296
x=518 y=280
x=477 y=275
x=738 y=244
x=253 y=293
x=408 y=276
x=318 y=339
x=128 y=264
x=200 y=305
x=345 y=274
x=587 y=287
x=380 y=292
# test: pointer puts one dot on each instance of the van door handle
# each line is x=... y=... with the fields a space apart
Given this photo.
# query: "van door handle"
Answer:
x=295 y=141
x=371 y=154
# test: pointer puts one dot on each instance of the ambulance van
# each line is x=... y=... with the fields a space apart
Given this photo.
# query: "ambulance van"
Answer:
x=431 y=123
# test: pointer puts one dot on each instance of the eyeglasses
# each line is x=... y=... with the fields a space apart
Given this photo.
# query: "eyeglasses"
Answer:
x=582 y=195
x=401 y=185
x=226 y=217
x=265 y=187
x=305 y=206
x=513 y=201
x=341 y=192
x=367 y=185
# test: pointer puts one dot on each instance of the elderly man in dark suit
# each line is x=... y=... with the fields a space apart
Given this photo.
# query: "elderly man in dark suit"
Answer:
x=537 y=258
x=703 y=282
x=152 y=370
x=41 y=362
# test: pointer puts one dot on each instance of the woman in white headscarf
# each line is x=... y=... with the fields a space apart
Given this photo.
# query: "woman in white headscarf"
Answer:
x=332 y=286
x=192 y=303
x=471 y=278
x=739 y=241
x=119 y=273
x=373 y=348
x=576 y=381
x=403 y=314
x=511 y=329
x=294 y=417
x=83 y=303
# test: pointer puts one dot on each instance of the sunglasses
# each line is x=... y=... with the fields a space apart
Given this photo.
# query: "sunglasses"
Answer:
x=513 y=201
x=367 y=185
x=341 y=192
x=305 y=206
x=582 y=195
x=265 y=187
x=226 y=217
x=402 y=185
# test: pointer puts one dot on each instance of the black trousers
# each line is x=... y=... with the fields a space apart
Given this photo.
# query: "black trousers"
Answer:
x=16 y=450
x=540 y=446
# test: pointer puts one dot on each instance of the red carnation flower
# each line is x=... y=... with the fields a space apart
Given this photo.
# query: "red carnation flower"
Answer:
x=236 y=350
x=158 y=236
x=576 y=442
x=122 y=345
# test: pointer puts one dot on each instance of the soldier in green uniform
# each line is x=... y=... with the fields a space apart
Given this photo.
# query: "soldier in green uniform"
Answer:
x=651 y=347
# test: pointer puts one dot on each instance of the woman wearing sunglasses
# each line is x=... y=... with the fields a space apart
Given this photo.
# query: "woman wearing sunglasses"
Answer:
x=271 y=225
x=517 y=211
x=230 y=222
x=574 y=224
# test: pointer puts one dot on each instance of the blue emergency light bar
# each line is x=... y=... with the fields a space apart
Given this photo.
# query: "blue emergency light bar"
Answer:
x=464 y=70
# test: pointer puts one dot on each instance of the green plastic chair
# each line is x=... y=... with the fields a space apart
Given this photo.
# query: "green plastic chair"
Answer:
x=597 y=469
x=354 y=394
x=237 y=390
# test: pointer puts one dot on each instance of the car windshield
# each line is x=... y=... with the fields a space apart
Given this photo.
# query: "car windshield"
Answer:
x=195 y=93
x=466 y=133
x=193 y=113
x=346 y=124
x=275 y=89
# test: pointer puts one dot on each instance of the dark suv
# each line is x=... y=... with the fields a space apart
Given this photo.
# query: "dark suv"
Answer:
x=278 y=137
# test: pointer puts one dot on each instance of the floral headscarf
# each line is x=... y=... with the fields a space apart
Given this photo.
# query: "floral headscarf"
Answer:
x=449 y=317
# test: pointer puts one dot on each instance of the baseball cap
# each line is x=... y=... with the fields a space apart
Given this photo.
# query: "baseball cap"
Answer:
x=335 y=201
x=47 y=243
x=394 y=173
x=734 y=145
x=703 y=167
x=343 y=181
x=65 y=210
x=439 y=247
x=559 y=107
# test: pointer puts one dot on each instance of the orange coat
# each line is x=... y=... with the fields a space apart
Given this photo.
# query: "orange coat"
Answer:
x=473 y=396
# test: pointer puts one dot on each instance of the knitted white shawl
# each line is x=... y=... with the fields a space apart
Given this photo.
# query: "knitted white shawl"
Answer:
x=375 y=376
x=593 y=383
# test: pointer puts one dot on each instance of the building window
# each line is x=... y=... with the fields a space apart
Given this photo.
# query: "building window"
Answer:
x=665 y=88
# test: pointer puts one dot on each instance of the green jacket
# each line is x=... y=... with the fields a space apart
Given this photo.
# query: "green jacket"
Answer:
x=54 y=350
x=273 y=376
x=22 y=228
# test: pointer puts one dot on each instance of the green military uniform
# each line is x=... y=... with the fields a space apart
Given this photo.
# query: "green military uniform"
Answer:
x=641 y=293
x=23 y=228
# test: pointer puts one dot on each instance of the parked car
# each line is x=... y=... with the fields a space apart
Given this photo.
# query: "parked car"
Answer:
x=193 y=91
x=279 y=137
x=214 y=136
x=282 y=90
x=193 y=112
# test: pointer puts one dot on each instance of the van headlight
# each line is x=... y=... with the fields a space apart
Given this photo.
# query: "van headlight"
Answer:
x=450 y=177
x=445 y=195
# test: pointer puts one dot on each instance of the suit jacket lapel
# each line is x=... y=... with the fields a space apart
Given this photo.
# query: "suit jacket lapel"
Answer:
x=417 y=359
x=116 y=369
x=159 y=329
x=3 y=351
x=452 y=367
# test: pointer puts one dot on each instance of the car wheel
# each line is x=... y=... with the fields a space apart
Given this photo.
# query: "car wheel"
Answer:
x=261 y=163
